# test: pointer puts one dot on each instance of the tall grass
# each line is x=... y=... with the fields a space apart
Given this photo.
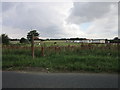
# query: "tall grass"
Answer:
x=87 y=57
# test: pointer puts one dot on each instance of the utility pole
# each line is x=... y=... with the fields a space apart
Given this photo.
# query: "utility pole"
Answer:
x=32 y=46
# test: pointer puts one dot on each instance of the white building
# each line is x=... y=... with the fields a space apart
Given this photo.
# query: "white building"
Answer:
x=89 y=41
x=98 y=41
x=83 y=41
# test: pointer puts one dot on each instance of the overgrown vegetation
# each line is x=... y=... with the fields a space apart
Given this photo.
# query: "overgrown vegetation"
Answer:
x=79 y=57
x=5 y=39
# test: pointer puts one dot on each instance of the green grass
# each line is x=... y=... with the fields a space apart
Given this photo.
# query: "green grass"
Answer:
x=95 y=59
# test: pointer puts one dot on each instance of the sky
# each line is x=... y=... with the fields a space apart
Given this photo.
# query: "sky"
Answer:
x=60 y=19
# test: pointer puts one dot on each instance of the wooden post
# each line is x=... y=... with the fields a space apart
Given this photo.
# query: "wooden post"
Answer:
x=42 y=51
x=32 y=46
x=55 y=48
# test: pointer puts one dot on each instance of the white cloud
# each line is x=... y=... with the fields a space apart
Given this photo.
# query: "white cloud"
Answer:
x=86 y=12
x=102 y=16
x=59 y=20
x=45 y=17
x=14 y=32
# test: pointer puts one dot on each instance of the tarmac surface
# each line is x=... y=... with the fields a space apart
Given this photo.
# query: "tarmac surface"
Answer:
x=58 y=80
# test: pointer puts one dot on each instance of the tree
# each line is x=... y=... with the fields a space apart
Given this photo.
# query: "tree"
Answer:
x=31 y=36
x=5 y=39
x=32 y=33
x=23 y=40
x=116 y=38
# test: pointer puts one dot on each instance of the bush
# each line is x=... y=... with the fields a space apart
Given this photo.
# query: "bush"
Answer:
x=23 y=40
x=5 y=39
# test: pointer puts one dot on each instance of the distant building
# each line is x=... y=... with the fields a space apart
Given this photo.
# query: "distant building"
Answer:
x=83 y=41
x=98 y=41
x=88 y=41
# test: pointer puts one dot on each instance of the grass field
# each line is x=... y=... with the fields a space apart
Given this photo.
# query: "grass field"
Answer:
x=62 y=57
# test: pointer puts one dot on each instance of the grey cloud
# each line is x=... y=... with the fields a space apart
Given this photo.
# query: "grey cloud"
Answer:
x=119 y=20
x=52 y=31
x=49 y=18
x=40 y=16
x=27 y=14
x=7 y=5
x=31 y=15
x=0 y=8
x=88 y=11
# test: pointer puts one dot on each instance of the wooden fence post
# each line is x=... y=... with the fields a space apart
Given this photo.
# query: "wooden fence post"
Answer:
x=32 y=46
x=42 y=51
x=55 y=49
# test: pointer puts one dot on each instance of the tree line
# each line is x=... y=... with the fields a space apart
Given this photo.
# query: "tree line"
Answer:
x=6 y=40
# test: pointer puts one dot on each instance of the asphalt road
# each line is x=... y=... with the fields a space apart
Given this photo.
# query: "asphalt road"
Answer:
x=58 y=80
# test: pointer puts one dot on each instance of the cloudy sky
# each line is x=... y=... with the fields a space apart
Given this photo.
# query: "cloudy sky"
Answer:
x=60 y=19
